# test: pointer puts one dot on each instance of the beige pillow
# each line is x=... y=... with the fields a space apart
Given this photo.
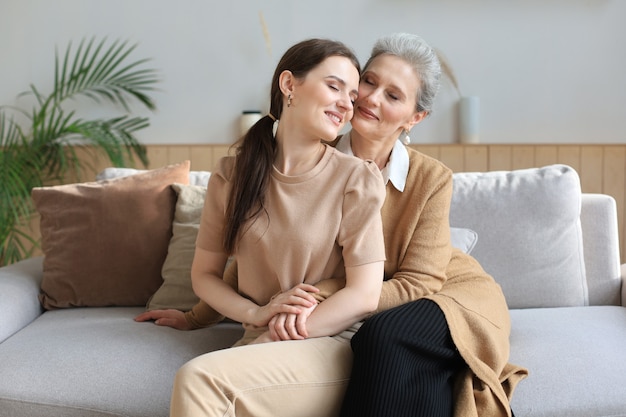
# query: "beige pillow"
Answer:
x=105 y=242
x=176 y=291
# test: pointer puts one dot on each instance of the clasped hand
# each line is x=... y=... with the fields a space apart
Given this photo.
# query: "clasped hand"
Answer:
x=289 y=312
x=285 y=315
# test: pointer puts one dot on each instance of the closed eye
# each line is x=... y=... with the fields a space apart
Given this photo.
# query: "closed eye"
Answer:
x=368 y=81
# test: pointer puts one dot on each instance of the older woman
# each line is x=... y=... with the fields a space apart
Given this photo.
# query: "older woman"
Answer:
x=440 y=344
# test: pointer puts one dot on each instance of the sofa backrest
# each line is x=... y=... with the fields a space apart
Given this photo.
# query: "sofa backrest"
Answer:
x=530 y=236
x=545 y=243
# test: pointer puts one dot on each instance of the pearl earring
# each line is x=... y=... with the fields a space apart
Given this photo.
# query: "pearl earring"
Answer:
x=405 y=138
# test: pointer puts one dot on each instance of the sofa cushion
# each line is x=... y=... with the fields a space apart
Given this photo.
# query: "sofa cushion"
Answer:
x=463 y=238
x=195 y=177
x=98 y=362
x=530 y=234
x=105 y=242
x=176 y=291
x=575 y=358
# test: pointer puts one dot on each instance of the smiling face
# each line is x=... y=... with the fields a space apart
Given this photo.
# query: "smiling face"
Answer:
x=322 y=102
x=387 y=100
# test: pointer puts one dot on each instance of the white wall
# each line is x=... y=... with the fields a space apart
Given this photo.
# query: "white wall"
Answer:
x=547 y=71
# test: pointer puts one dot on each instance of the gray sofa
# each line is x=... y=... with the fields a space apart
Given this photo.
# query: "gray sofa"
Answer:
x=553 y=250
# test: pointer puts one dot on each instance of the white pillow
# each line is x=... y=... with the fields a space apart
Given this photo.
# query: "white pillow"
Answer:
x=530 y=233
x=464 y=239
x=200 y=178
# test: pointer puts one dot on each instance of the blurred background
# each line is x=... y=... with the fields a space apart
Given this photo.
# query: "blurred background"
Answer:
x=545 y=71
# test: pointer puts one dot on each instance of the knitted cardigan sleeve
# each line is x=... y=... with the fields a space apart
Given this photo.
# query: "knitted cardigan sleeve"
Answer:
x=417 y=235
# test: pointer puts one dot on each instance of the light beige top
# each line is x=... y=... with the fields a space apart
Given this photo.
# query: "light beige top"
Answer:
x=311 y=225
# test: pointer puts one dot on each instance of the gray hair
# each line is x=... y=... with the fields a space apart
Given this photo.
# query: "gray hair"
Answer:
x=417 y=53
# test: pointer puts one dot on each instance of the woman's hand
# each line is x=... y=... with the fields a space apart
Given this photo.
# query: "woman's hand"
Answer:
x=170 y=318
x=290 y=326
x=292 y=301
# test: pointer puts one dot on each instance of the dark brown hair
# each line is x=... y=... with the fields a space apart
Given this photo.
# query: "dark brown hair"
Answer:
x=256 y=150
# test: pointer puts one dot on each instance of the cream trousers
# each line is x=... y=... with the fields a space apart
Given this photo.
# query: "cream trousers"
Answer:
x=293 y=379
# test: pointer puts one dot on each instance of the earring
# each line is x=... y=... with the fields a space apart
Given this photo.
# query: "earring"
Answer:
x=404 y=137
x=289 y=100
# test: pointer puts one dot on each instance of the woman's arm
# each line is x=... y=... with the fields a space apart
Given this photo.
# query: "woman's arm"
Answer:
x=417 y=231
x=352 y=303
x=201 y=315
x=206 y=271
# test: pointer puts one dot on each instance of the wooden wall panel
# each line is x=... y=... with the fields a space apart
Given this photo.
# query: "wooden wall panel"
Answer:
x=591 y=161
x=614 y=183
x=453 y=156
x=179 y=154
x=158 y=156
x=476 y=159
x=569 y=155
x=545 y=155
x=522 y=157
x=430 y=150
x=499 y=158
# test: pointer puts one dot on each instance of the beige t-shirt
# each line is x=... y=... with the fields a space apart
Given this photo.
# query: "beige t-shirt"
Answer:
x=311 y=226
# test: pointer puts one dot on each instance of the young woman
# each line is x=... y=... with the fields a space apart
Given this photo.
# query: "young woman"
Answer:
x=293 y=211
x=440 y=344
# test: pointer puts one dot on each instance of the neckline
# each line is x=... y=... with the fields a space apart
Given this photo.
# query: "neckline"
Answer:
x=305 y=176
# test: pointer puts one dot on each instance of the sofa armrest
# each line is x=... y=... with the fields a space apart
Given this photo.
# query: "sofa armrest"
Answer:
x=623 y=275
x=19 y=295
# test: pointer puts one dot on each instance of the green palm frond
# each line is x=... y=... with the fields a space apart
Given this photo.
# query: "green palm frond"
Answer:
x=113 y=136
x=15 y=163
x=95 y=73
x=18 y=174
x=44 y=149
x=17 y=245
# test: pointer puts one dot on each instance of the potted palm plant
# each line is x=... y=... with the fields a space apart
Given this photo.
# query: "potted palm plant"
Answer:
x=40 y=146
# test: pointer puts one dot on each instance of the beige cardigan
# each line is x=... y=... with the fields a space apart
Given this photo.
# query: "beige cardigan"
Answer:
x=422 y=263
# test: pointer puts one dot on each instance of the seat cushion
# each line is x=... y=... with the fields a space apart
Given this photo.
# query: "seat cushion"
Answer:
x=530 y=237
x=575 y=358
x=95 y=362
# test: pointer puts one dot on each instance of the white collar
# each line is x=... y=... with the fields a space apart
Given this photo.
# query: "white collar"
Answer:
x=397 y=168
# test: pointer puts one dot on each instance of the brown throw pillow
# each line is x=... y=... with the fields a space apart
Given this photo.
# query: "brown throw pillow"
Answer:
x=105 y=242
x=176 y=291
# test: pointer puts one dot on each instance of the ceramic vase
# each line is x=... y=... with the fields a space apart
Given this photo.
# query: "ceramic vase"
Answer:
x=469 y=119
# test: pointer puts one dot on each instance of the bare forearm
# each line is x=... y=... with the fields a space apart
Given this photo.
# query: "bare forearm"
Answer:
x=336 y=314
x=224 y=299
x=354 y=302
